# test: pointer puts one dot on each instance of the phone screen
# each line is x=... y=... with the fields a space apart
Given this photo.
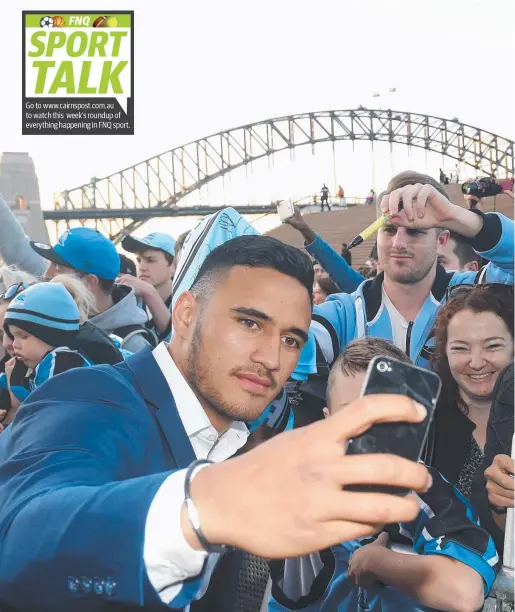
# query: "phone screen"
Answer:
x=388 y=375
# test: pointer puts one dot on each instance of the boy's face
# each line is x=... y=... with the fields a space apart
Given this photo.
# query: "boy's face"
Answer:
x=344 y=390
x=28 y=348
x=153 y=267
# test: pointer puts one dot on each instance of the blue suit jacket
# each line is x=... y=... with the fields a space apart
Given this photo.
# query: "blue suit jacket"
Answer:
x=79 y=468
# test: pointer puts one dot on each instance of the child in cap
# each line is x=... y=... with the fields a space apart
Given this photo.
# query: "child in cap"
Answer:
x=156 y=264
x=44 y=324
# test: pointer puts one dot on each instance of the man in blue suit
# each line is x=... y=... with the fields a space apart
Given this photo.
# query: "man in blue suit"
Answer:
x=97 y=512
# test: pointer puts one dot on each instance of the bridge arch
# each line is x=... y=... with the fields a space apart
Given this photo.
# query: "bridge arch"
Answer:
x=163 y=180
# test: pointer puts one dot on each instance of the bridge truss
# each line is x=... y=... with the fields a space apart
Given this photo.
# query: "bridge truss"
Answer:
x=125 y=200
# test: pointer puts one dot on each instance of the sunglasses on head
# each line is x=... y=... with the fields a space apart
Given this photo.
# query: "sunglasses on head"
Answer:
x=13 y=291
x=493 y=288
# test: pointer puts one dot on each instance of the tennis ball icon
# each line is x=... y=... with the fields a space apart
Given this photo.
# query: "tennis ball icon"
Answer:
x=111 y=22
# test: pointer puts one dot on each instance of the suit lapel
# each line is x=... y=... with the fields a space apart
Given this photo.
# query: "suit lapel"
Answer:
x=156 y=392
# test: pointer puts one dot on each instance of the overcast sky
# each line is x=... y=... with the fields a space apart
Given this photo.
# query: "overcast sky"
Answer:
x=203 y=66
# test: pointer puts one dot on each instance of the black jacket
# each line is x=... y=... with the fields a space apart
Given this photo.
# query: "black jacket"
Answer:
x=451 y=435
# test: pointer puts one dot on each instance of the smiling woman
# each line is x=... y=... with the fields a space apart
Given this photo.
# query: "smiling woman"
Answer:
x=474 y=343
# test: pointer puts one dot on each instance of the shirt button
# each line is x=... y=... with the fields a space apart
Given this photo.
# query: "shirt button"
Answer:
x=211 y=437
x=110 y=587
x=86 y=584
x=73 y=584
x=98 y=586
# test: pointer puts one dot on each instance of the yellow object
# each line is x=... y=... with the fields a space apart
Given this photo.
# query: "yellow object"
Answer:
x=111 y=22
x=377 y=225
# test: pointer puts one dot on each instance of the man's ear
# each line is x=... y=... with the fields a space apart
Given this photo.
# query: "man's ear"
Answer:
x=443 y=238
x=471 y=266
x=91 y=281
x=184 y=313
x=326 y=412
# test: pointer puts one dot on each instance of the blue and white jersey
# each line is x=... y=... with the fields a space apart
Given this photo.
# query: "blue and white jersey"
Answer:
x=446 y=525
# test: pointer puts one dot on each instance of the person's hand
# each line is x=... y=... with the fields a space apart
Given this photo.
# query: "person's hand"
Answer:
x=286 y=497
x=500 y=481
x=296 y=221
x=425 y=208
x=9 y=367
x=141 y=287
x=362 y=561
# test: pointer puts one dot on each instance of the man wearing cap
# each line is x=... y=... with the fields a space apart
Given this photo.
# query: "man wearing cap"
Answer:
x=155 y=271
x=88 y=254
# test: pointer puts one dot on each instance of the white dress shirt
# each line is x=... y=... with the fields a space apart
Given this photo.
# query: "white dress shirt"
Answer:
x=169 y=559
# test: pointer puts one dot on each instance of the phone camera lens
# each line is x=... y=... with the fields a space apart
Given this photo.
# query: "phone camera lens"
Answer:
x=382 y=366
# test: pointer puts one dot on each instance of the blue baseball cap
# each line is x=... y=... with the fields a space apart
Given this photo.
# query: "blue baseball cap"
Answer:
x=83 y=249
x=156 y=240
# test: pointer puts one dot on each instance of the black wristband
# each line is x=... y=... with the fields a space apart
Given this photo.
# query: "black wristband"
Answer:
x=488 y=236
x=497 y=509
x=192 y=511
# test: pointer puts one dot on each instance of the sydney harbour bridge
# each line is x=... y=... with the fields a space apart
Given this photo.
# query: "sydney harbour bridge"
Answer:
x=120 y=203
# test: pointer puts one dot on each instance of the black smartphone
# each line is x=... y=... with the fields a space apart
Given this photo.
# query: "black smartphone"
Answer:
x=388 y=375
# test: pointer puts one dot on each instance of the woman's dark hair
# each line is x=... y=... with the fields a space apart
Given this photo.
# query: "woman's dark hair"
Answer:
x=479 y=299
x=327 y=285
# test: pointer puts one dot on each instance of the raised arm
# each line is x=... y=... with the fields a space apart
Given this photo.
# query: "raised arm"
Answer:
x=334 y=264
x=15 y=248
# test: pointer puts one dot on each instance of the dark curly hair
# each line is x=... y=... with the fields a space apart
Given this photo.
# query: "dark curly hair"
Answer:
x=478 y=299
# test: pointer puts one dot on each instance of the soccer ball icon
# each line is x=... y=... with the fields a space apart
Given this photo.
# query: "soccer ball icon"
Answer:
x=46 y=22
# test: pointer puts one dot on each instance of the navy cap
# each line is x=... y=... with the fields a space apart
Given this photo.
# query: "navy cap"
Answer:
x=156 y=240
x=83 y=249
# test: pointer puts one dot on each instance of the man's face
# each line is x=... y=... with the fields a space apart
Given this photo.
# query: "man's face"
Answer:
x=319 y=271
x=450 y=261
x=246 y=339
x=447 y=257
x=153 y=267
x=344 y=390
x=407 y=255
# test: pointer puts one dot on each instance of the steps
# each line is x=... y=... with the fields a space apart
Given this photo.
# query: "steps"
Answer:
x=340 y=226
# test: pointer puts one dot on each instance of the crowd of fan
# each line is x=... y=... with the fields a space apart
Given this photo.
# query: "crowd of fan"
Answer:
x=436 y=293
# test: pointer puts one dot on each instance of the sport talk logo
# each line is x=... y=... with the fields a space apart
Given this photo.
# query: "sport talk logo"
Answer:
x=103 y=21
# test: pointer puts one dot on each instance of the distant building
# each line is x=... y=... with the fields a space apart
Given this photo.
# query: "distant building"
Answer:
x=20 y=190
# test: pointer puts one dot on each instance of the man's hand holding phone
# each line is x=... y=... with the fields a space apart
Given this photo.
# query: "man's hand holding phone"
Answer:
x=289 y=497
